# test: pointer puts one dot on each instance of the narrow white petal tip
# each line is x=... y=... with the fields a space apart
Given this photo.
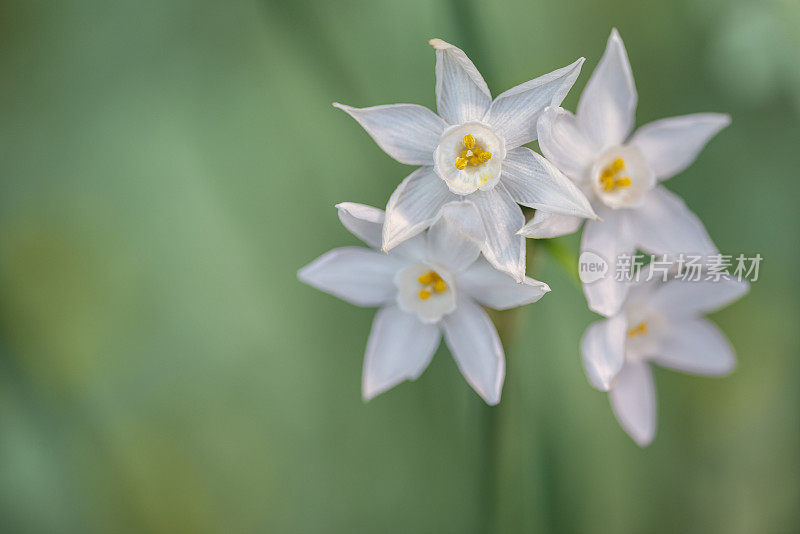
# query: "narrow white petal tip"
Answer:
x=723 y=119
x=605 y=311
x=386 y=246
x=438 y=44
x=605 y=387
x=546 y=288
x=368 y=393
x=338 y=105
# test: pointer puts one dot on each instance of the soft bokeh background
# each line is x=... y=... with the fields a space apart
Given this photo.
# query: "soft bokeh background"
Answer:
x=167 y=166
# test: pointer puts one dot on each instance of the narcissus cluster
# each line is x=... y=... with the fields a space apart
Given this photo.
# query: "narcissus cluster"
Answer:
x=452 y=237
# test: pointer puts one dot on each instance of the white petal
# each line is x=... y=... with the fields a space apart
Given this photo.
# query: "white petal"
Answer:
x=671 y=145
x=603 y=349
x=663 y=224
x=499 y=290
x=606 y=111
x=400 y=347
x=514 y=113
x=501 y=216
x=681 y=299
x=414 y=205
x=407 y=132
x=608 y=239
x=564 y=143
x=456 y=238
x=412 y=250
x=545 y=225
x=633 y=399
x=364 y=222
x=358 y=275
x=695 y=346
x=535 y=182
x=476 y=348
x=461 y=93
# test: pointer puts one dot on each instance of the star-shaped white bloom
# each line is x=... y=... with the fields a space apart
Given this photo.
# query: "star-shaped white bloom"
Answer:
x=660 y=323
x=472 y=149
x=433 y=283
x=621 y=174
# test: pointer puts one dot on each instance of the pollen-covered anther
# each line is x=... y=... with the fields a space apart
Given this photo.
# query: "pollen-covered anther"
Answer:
x=609 y=176
x=638 y=330
x=473 y=154
x=431 y=283
x=469 y=141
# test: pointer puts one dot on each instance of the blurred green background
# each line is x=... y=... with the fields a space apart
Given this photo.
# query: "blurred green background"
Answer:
x=167 y=166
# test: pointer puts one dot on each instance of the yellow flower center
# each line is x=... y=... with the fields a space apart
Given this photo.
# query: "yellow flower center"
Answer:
x=610 y=176
x=473 y=154
x=431 y=283
x=639 y=330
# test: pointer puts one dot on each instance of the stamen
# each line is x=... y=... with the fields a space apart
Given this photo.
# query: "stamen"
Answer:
x=638 y=330
x=432 y=283
x=472 y=155
x=608 y=176
x=427 y=278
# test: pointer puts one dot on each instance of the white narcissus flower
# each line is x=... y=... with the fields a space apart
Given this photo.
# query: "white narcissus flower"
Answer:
x=659 y=323
x=621 y=173
x=473 y=149
x=433 y=283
